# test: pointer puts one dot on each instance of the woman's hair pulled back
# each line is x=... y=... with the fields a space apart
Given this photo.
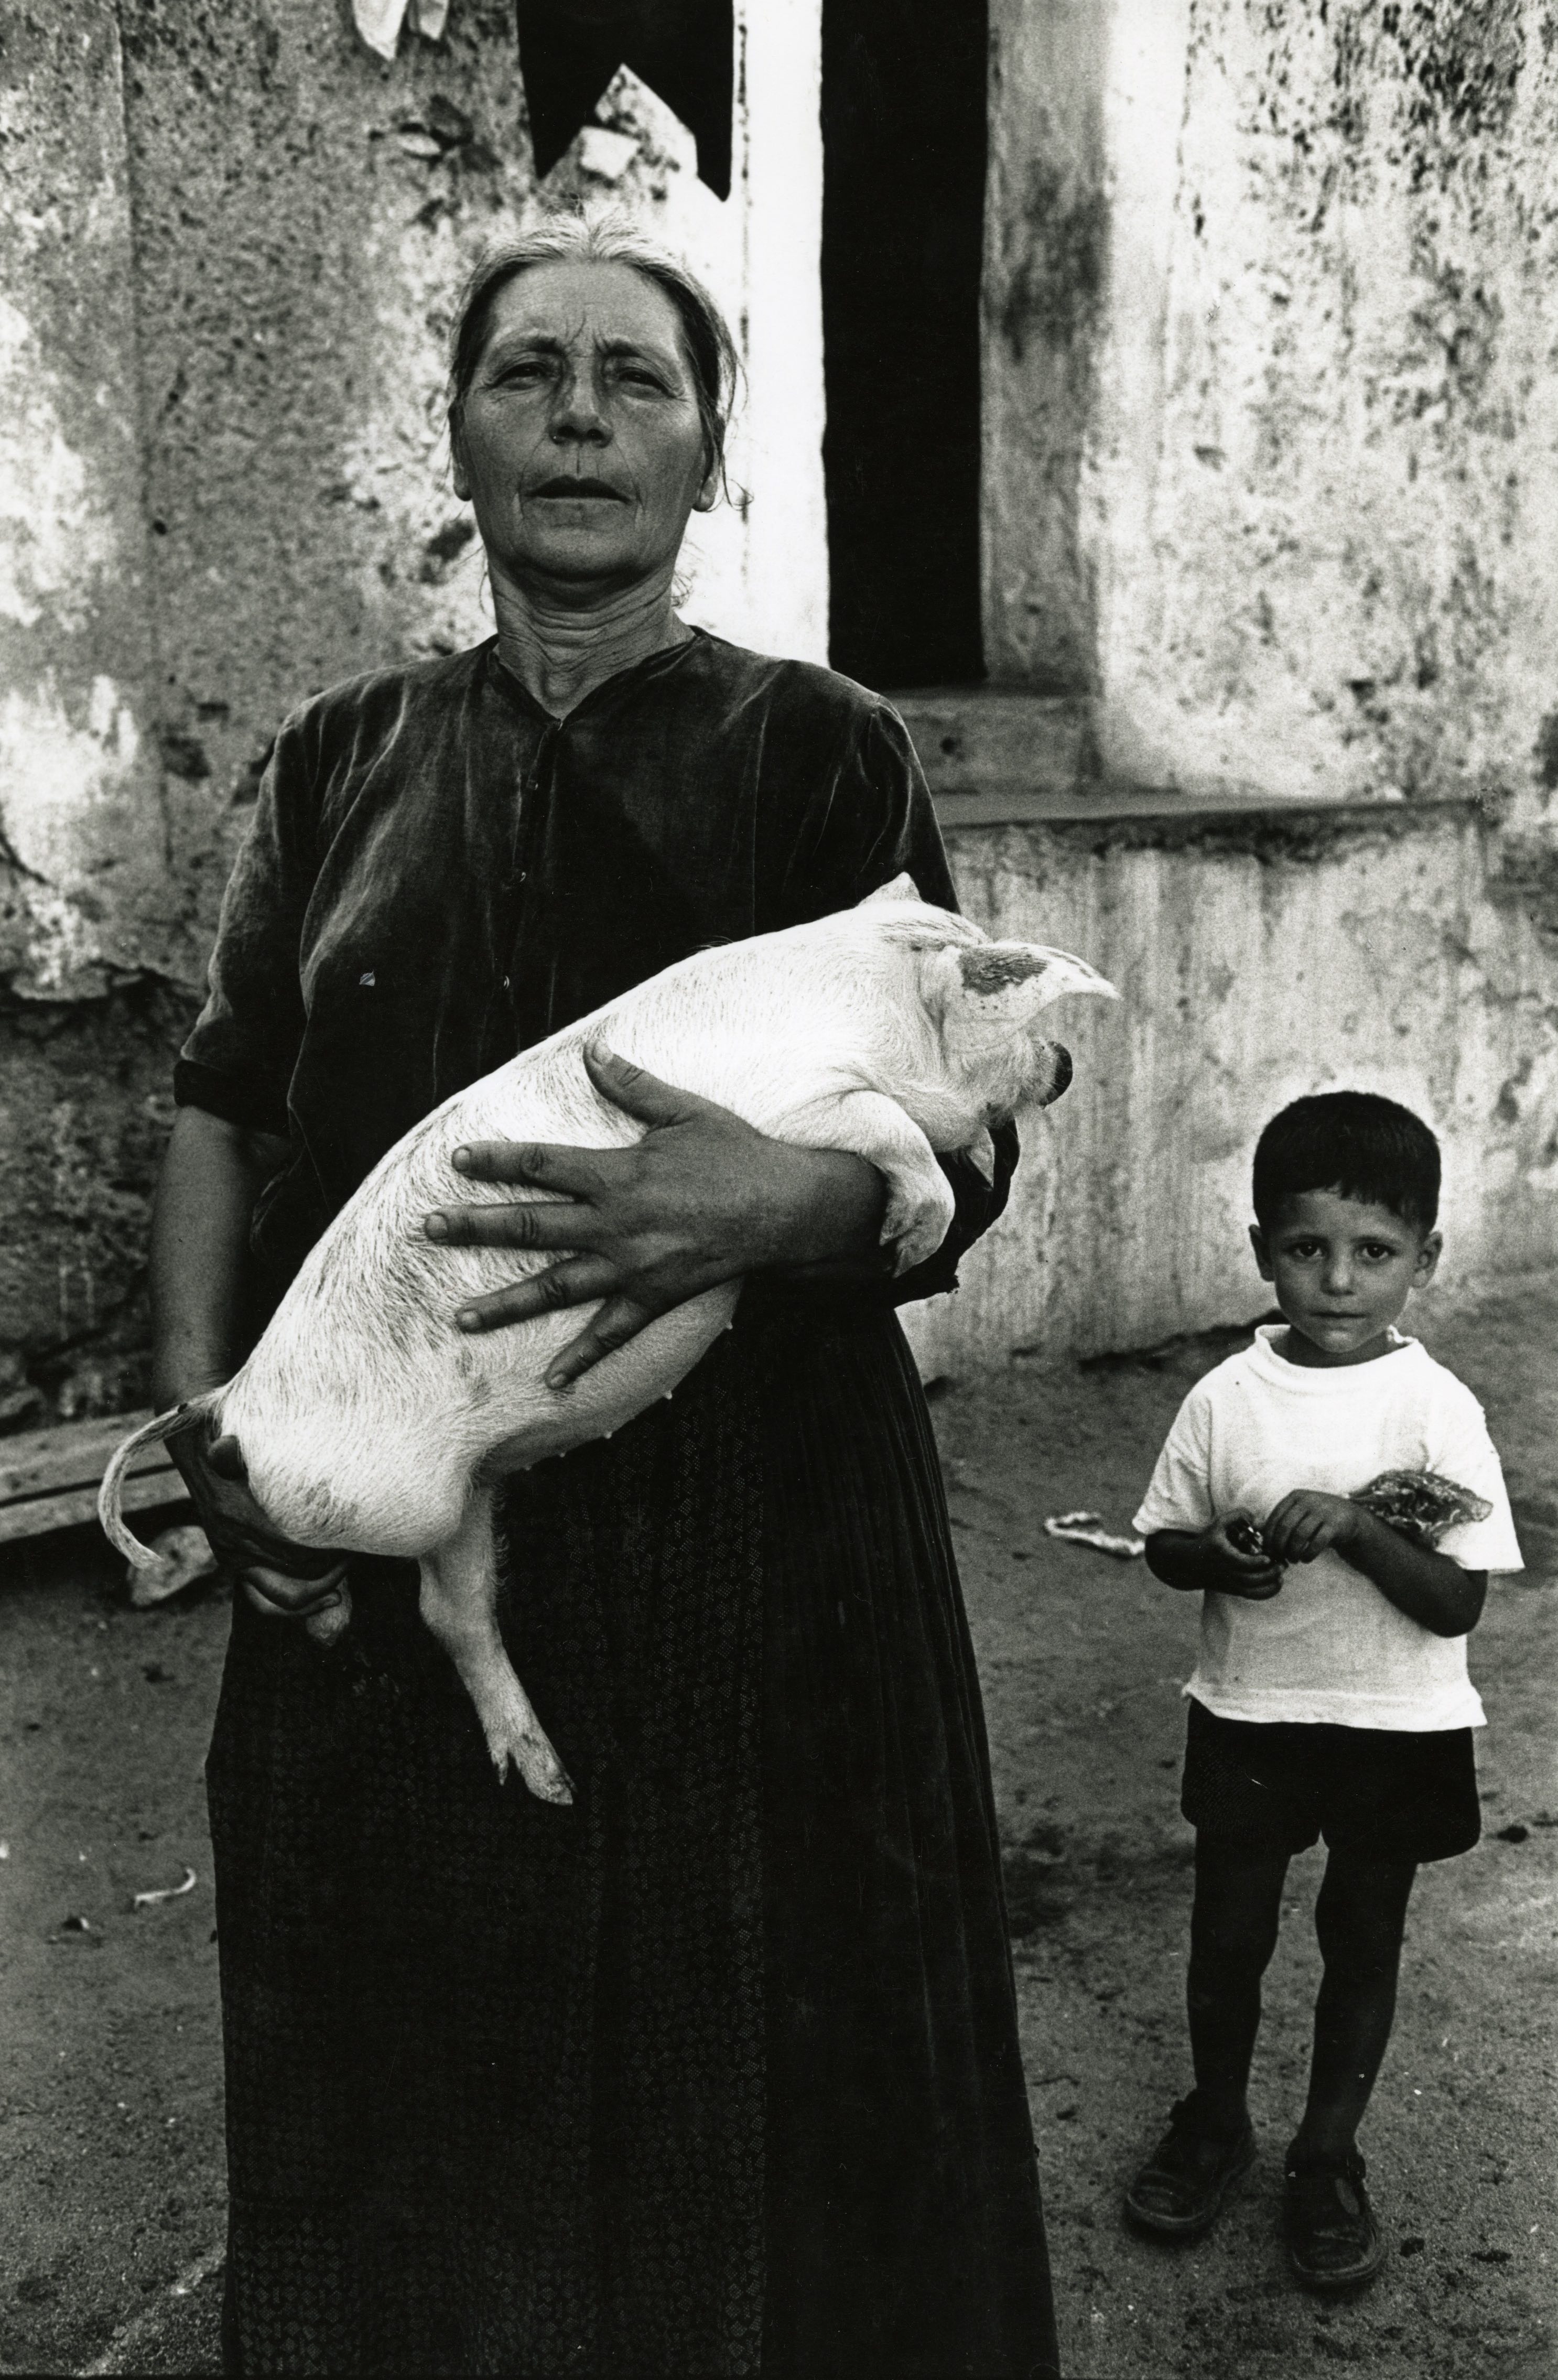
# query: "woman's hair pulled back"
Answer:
x=579 y=238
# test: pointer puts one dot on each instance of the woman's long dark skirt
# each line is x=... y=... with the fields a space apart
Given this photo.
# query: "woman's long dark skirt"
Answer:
x=717 y=2072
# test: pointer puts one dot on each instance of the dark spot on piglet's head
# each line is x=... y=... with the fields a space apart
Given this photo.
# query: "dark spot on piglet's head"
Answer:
x=996 y=967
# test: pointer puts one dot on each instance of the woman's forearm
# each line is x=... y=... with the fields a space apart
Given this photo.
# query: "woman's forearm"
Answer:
x=833 y=1230
x=211 y=1175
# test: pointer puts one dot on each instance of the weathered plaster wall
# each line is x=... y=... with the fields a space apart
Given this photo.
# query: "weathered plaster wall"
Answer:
x=231 y=239
x=83 y=879
x=1272 y=957
x=1273 y=312
x=1046 y=257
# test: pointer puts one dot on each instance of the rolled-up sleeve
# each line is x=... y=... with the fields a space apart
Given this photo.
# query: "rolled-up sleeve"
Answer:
x=238 y=1059
x=874 y=821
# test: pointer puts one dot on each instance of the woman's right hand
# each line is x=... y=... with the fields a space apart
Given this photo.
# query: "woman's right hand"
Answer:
x=281 y=1579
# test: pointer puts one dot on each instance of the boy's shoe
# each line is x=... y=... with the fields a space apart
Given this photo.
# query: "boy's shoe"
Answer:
x=1333 y=2239
x=1181 y=2187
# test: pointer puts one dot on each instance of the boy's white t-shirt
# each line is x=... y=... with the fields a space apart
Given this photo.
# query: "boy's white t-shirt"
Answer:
x=1330 y=1648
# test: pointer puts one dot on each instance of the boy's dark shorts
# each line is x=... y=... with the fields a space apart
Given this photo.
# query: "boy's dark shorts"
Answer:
x=1279 y=1786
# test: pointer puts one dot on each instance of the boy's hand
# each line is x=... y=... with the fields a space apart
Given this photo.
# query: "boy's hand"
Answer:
x=1308 y=1522
x=1228 y=1570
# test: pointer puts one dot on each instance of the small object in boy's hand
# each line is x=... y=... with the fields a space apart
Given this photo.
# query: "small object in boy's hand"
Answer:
x=1420 y=1505
x=1244 y=1535
x=1087 y=1529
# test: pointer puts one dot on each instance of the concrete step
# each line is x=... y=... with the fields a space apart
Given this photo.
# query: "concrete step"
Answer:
x=979 y=744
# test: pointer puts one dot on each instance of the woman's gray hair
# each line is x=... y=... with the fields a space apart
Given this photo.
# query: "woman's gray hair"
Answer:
x=579 y=238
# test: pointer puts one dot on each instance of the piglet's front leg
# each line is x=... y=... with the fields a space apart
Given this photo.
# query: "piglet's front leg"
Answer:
x=920 y=1201
x=459 y=1604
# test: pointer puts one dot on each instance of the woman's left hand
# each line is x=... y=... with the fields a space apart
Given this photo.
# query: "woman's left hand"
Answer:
x=701 y=1198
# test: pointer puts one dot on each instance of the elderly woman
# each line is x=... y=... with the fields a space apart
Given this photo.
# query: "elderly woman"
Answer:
x=715 y=2072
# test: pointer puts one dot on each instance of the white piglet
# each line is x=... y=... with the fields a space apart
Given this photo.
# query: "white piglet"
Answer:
x=368 y=1423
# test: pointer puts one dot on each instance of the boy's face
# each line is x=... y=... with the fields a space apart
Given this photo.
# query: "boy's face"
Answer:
x=1342 y=1270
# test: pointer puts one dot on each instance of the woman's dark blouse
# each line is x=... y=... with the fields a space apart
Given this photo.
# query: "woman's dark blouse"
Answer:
x=439 y=873
x=717 y=2070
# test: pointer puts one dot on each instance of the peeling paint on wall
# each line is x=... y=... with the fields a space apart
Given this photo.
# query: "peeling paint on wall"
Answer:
x=1320 y=463
x=81 y=845
x=1047 y=225
x=56 y=541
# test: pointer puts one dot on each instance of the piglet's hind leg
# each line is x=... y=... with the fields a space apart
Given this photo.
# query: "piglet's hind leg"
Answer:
x=459 y=1604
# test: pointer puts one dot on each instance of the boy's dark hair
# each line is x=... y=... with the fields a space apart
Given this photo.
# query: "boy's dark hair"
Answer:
x=1355 y=1143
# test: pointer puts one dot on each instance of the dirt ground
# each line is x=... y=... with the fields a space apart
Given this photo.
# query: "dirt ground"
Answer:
x=111 y=2171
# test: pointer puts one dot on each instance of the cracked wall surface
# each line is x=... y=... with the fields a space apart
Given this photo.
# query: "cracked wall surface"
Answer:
x=1289 y=418
x=83 y=846
x=232 y=239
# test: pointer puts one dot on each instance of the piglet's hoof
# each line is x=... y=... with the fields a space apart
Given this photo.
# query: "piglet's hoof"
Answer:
x=535 y=1760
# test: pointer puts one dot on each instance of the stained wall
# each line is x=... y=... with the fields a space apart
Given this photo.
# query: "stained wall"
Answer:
x=1273 y=431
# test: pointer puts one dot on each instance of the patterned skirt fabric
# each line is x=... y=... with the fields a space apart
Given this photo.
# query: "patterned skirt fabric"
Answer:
x=716 y=2072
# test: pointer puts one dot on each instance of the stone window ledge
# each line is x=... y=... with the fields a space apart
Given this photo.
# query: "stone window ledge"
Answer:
x=996 y=756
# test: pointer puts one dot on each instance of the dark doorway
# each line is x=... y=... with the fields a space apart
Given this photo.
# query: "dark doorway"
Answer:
x=903 y=214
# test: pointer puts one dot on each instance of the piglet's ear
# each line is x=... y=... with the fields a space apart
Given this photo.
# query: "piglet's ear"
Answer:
x=941 y=980
x=903 y=888
x=996 y=967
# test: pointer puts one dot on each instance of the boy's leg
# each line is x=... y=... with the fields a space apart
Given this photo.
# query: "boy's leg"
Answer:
x=1333 y=2240
x=1233 y=1933
x=1360 y=1918
x=1210 y=2144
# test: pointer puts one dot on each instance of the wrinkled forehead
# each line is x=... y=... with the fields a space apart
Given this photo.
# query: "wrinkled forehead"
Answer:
x=584 y=308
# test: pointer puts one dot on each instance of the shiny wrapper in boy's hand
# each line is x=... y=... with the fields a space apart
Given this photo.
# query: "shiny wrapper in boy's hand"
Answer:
x=1420 y=1505
x=1235 y=1559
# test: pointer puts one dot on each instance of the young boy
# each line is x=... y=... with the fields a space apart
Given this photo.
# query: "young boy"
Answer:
x=1331 y=1696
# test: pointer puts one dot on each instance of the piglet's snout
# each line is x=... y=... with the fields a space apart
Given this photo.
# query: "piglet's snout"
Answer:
x=1061 y=1071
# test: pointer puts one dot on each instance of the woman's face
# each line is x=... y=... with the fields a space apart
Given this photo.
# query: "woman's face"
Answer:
x=580 y=442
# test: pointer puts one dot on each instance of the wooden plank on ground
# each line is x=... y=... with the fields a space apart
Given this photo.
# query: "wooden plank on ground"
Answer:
x=39 y=1514
x=49 y=1478
x=69 y=1456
